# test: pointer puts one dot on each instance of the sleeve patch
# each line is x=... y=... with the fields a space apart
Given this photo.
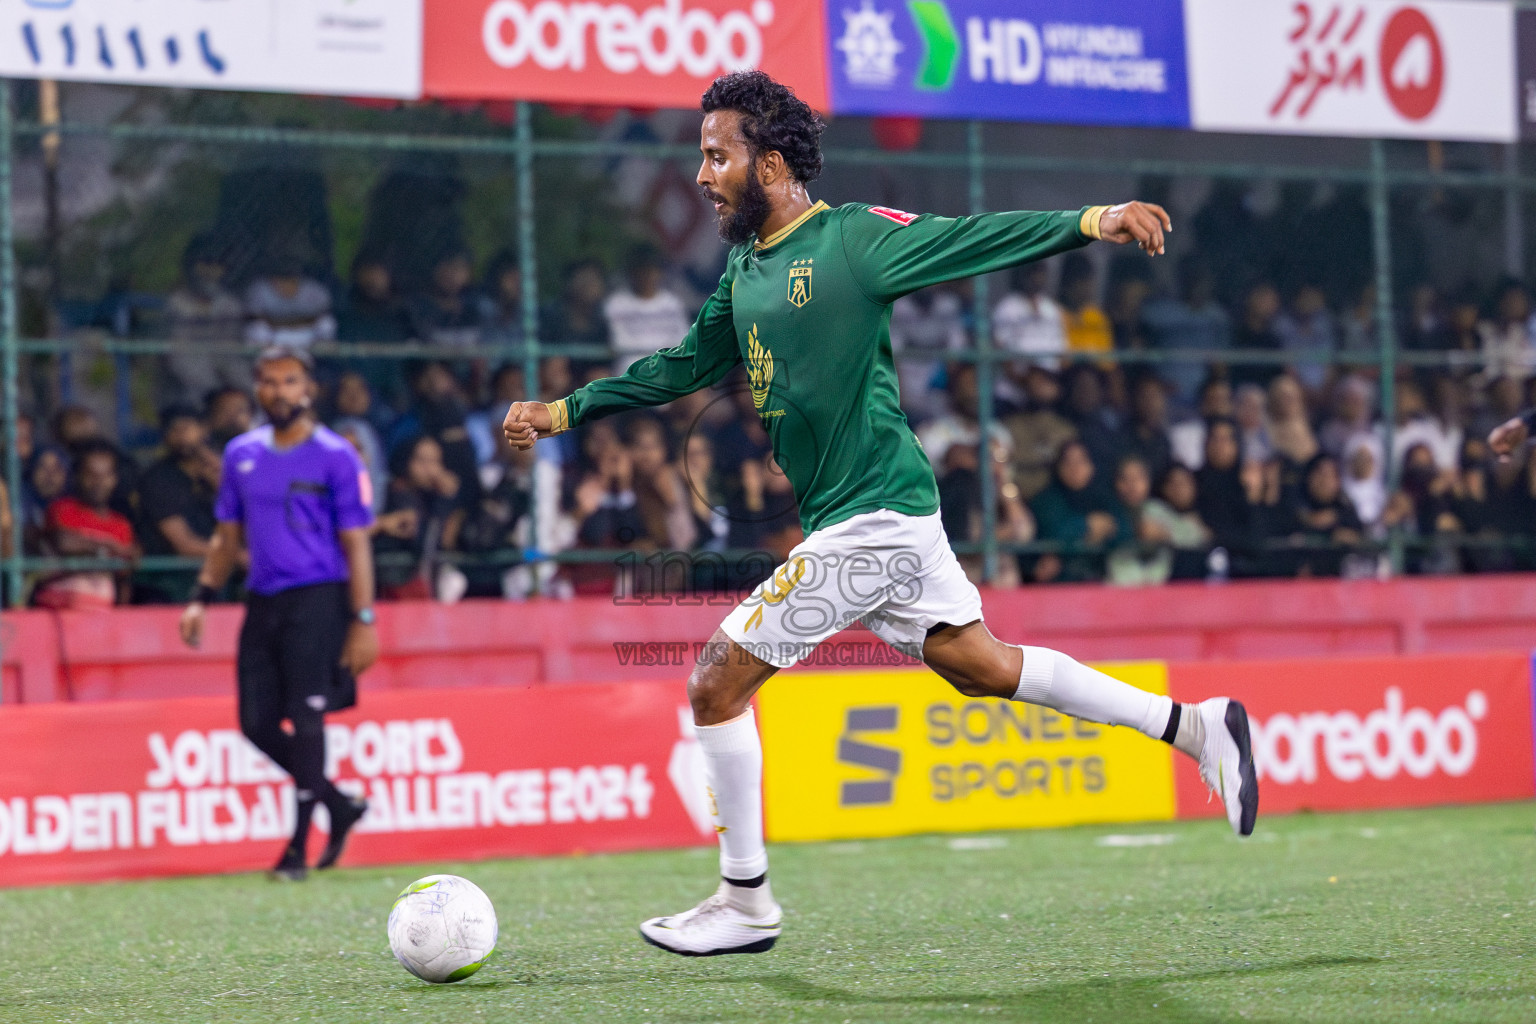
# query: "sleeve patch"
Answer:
x=899 y=216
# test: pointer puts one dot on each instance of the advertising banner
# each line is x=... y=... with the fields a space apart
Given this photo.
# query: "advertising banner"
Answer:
x=1440 y=69
x=348 y=47
x=1069 y=61
x=868 y=754
x=1372 y=732
x=651 y=53
x=133 y=788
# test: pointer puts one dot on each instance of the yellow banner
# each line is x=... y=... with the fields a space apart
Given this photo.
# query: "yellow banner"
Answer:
x=864 y=754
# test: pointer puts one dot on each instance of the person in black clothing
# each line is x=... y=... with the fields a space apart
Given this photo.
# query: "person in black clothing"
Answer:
x=228 y=412
x=422 y=486
x=1089 y=410
x=176 y=494
x=372 y=313
x=176 y=499
x=1220 y=497
x=1322 y=513
x=1147 y=436
x=1255 y=329
x=441 y=413
x=447 y=315
x=577 y=318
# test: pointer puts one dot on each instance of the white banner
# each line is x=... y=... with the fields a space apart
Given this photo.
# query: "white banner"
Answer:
x=1434 y=69
x=347 y=47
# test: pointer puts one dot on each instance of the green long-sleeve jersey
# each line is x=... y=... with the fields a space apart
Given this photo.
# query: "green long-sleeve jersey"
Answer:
x=808 y=310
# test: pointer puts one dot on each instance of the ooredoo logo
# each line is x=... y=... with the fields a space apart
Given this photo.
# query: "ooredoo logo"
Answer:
x=1412 y=63
x=660 y=39
x=1388 y=741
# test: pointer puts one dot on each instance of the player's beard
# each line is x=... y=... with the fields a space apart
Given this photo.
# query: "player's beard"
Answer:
x=282 y=415
x=751 y=210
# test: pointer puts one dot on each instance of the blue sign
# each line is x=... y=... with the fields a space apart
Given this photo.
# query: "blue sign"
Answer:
x=1068 y=61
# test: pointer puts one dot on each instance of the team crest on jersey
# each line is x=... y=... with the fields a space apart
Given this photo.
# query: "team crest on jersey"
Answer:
x=800 y=282
x=759 y=368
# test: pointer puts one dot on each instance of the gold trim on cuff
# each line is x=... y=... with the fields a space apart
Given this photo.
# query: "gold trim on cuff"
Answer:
x=1088 y=223
x=559 y=417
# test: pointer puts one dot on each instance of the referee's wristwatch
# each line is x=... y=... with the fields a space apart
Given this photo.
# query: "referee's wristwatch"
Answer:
x=365 y=616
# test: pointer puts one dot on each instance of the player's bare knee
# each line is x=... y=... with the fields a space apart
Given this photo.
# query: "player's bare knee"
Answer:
x=711 y=696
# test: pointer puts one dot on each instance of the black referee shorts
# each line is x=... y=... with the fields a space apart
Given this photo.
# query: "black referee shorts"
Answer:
x=290 y=652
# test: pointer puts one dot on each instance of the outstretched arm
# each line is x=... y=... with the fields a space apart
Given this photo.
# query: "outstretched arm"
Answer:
x=893 y=253
x=702 y=358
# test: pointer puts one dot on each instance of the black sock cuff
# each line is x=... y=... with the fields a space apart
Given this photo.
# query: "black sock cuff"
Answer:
x=749 y=883
x=1173 y=722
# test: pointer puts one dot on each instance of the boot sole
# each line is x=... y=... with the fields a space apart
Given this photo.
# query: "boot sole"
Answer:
x=1248 y=789
x=760 y=946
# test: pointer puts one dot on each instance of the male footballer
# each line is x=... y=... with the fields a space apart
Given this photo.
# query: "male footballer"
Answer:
x=805 y=302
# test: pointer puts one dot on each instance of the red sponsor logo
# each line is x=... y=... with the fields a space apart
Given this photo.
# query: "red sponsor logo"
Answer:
x=1332 y=47
x=622 y=52
x=1388 y=742
x=1329 y=54
x=901 y=217
x=1376 y=732
x=1412 y=64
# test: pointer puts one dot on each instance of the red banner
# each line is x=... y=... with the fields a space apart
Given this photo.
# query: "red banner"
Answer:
x=648 y=53
x=132 y=788
x=1372 y=732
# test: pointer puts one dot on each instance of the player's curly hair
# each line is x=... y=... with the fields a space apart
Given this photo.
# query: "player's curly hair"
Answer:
x=772 y=118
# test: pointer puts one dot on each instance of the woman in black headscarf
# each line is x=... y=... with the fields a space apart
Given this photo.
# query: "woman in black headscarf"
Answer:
x=1322 y=513
x=1220 y=497
x=1077 y=510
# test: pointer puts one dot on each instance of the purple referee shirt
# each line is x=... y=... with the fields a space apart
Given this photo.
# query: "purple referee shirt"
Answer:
x=291 y=503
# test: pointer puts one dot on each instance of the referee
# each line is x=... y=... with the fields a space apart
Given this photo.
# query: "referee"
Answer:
x=299 y=496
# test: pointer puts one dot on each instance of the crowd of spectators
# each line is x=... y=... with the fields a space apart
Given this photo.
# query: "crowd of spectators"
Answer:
x=1183 y=461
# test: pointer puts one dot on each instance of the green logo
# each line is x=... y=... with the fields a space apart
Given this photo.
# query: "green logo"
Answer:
x=941 y=44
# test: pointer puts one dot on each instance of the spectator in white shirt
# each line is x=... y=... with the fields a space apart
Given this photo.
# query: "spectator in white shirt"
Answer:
x=961 y=427
x=1028 y=322
x=202 y=313
x=924 y=326
x=1506 y=339
x=287 y=307
x=644 y=317
x=1415 y=426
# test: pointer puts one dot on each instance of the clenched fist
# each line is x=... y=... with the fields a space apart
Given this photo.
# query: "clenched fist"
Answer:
x=526 y=422
x=1507 y=437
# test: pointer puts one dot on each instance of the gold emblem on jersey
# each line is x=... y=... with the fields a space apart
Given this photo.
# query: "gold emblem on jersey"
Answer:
x=800 y=282
x=759 y=368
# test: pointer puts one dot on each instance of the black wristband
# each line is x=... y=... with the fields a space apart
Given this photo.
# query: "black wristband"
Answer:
x=204 y=594
x=1529 y=419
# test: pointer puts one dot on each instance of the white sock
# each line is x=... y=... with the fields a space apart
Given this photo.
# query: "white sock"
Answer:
x=1051 y=678
x=733 y=770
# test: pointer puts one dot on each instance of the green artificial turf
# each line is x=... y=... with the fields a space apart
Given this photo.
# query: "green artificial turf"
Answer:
x=1384 y=916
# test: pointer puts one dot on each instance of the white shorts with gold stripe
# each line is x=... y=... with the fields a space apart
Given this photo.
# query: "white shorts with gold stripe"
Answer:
x=893 y=572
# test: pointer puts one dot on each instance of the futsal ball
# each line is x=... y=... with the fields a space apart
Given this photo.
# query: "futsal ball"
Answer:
x=442 y=928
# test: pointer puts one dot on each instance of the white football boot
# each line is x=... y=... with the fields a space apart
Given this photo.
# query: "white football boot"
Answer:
x=1226 y=761
x=715 y=927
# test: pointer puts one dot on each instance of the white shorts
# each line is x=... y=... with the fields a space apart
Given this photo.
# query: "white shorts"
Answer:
x=893 y=572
